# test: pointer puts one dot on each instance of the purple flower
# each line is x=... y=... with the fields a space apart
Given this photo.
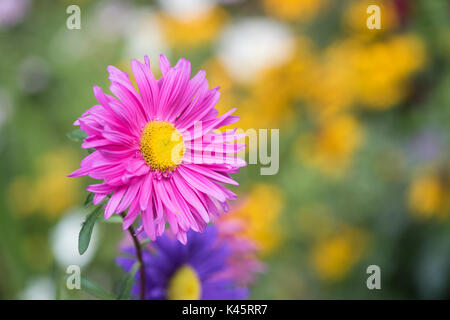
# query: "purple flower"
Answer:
x=196 y=270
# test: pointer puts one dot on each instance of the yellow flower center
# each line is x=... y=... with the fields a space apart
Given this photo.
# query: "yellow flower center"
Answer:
x=184 y=285
x=162 y=146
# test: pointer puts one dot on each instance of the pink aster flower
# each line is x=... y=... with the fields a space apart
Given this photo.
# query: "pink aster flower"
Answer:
x=158 y=150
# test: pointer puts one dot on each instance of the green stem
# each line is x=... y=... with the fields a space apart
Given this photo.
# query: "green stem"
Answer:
x=139 y=257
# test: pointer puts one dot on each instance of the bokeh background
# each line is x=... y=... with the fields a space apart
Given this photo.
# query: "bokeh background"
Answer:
x=363 y=115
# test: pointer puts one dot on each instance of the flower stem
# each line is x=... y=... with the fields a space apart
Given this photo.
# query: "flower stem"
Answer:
x=139 y=257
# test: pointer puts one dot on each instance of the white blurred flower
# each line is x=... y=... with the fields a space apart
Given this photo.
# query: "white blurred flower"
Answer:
x=12 y=12
x=186 y=9
x=254 y=44
x=144 y=37
x=111 y=19
x=41 y=288
x=69 y=45
x=64 y=240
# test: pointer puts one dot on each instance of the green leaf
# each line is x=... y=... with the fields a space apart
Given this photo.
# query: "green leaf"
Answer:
x=93 y=289
x=127 y=283
x=84 y=236
x=89 y=199
x=113 y=219
x=77 y=135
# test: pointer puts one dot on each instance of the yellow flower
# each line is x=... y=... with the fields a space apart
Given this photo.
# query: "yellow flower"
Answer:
x=355 y=17
x=50 y=192
x=428 y=196
x=261 y=211
x=271 y=96
x=195 y=32
x=332 y=147
x=272 y=106
x=219 y=77
x=184 y=285
x=383 y=70
x=331 y=88
x=294 y=10
x=376 y=75
x=334 y=256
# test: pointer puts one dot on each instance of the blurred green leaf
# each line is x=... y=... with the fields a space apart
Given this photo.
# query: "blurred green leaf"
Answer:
x=89 y=199
x=77 y=135
x=113 y=219
x=84 y=236
x=127 y=283
x=93 y=289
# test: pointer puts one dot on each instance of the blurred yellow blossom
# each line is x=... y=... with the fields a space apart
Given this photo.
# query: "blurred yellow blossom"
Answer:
x=249 y=98
x=272 y=95
x=355 y=17
x=261 y=210
x=198 y=31
x=376 y=75
x=294 y=10
x=218 y=76
x=334 y=256
x=49 y=191
x=383 y=70
x=428 y=196
x=331 y=89
x=332 y=147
